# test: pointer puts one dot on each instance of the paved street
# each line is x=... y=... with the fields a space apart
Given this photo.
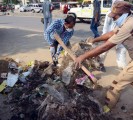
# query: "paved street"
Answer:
x=25 y=35
x=22 y=38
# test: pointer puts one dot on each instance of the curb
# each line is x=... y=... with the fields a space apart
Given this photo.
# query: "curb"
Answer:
x=55 y=14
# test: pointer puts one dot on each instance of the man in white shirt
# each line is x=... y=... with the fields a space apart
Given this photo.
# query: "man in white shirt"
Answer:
x=109 y=25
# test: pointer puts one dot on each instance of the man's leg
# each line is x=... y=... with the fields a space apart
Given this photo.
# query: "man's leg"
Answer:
x=45 y=24
x=50 y=20
x=93 y=27
x=96 y=28
x=121 y=56
x=122 y=81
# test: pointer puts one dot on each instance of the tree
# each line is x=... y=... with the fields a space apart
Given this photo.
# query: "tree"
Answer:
x=80 y=1
x=11 y=1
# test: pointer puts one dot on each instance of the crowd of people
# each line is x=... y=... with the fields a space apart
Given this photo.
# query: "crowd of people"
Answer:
x=117 y=31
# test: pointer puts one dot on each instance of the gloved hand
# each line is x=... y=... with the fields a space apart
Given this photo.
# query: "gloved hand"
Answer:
x=56 y=56
x=52 y=50
x=59 y=49
x=55 y=59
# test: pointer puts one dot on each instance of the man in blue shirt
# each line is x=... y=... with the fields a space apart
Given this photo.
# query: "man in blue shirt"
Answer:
x=64 y=28
x=96 y=18
x=47 y=13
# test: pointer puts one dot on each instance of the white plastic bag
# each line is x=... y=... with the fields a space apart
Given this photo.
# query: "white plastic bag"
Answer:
x=12 y=79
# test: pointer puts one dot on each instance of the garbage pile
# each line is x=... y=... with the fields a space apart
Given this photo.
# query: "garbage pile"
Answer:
x=42 y=91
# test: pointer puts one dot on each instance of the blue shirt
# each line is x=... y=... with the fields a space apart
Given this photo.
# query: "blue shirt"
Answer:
x=58 y=27
x=47 y=9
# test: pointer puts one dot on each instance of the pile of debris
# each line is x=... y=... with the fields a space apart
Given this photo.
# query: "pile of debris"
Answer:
x=42 y=91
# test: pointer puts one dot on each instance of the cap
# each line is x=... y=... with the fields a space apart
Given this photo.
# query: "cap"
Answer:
x=120 y=7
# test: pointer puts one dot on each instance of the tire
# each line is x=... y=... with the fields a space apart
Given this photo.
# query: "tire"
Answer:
x=40 y=11
x=33 y=11
x=102 y=19
x=81 y=19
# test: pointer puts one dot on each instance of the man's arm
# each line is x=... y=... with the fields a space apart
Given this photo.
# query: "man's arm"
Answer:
x=93 y=53
x=55 y=25
x=43 y=7
x=65 y=39
x=103 y=37
x=98 y=50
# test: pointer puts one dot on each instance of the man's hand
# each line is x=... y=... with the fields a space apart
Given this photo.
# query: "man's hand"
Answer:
x=78 y=61
x=90 y=41
x=52 y=50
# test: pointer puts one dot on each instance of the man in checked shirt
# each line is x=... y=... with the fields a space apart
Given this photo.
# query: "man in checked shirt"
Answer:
x=64 y=28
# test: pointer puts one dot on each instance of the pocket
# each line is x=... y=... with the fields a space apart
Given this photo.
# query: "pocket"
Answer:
x=129 y=68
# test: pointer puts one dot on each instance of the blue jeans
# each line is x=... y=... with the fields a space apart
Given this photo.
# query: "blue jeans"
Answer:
x=94 y=29
x=47 y=21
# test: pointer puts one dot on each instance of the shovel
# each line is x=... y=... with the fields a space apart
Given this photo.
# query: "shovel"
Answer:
x=93 y=79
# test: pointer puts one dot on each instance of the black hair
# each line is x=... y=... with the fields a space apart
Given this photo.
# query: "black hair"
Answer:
x=70 y=19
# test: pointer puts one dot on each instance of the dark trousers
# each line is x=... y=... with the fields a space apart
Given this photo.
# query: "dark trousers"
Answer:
x=94 y=27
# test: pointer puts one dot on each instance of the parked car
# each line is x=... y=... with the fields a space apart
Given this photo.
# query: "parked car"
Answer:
x=36 y=8
x=85 y=11
x=10 y=7
x=4 y=7
x=25 y=8
x=56 y=5
x=68 y=6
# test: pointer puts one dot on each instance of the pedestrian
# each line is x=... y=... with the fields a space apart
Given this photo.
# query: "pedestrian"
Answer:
x=96 y=17
x=64 y=28
x=109 y=25
x=122 y=34
x=47 y=13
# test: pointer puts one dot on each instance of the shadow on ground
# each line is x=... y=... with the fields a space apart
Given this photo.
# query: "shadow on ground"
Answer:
x=14 y=41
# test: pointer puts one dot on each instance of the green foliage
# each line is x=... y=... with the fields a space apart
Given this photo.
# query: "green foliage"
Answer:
x=11 y=1
x=80 y=1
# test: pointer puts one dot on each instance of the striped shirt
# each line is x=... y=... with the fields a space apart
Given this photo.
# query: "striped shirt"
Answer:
x=58 y=27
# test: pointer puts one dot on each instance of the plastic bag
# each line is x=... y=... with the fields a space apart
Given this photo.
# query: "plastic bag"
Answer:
x=12 y=79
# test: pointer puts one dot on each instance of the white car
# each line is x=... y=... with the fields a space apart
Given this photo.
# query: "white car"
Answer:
x=24 y=8
x=36 y=8
x=85 y=11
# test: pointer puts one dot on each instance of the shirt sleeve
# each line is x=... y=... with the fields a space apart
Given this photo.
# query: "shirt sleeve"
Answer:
x=48 y=35
x=122 y=33
x=107 y=24
x=67 y=37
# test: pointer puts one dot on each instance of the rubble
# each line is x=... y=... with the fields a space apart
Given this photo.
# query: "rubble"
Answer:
x=47 y=92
